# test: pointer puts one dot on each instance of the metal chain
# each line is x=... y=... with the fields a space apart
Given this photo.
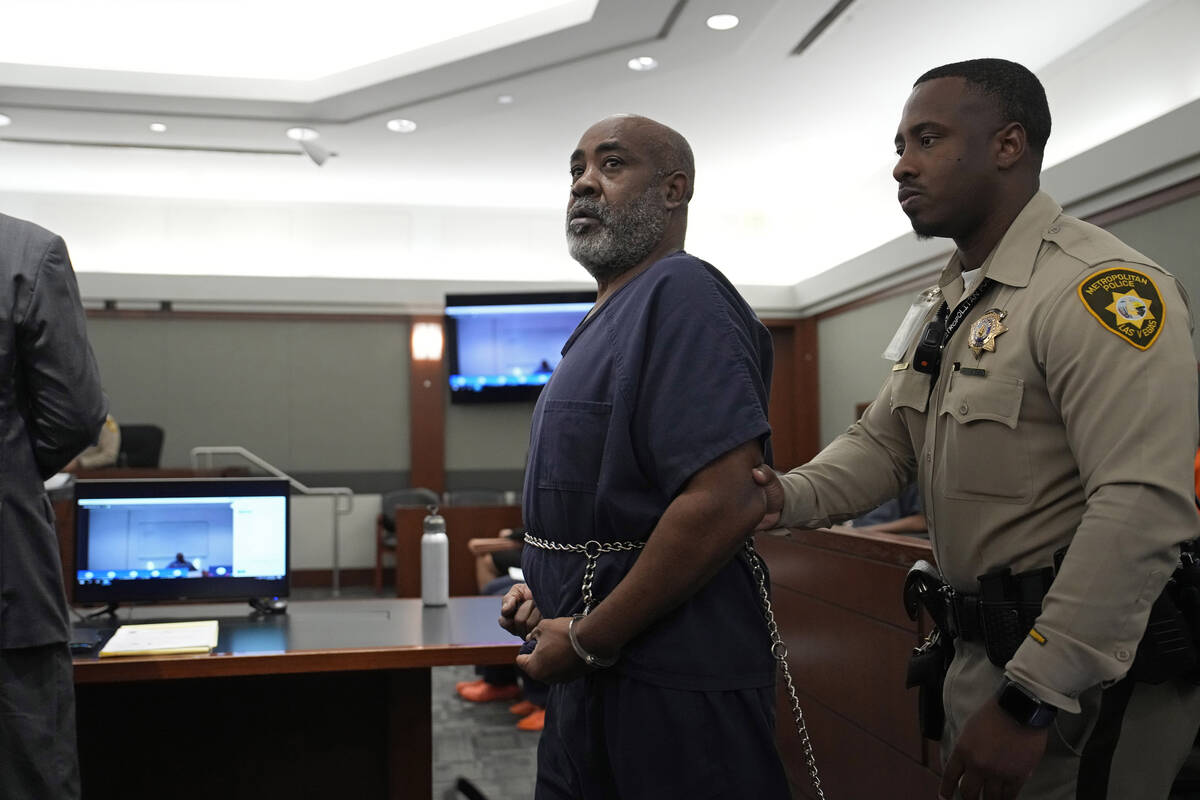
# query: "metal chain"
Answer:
x=592 y=550
x=779 y=651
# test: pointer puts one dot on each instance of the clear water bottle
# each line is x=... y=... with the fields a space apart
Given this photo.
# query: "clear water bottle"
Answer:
x=435 y=560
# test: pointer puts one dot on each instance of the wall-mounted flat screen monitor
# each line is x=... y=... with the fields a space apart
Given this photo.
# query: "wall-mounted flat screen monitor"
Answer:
x=503 y=347
x=164 y=540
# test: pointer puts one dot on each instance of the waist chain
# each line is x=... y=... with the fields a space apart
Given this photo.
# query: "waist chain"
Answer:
x=592 y=550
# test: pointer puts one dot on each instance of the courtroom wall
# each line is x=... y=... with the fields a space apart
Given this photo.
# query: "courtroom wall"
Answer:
x=308 y=396
x=325 y=400
x=1171 y=236
x=850 y=347
x=486 y=445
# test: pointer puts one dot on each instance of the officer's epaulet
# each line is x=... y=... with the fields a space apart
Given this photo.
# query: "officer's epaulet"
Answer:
x=1092 y=245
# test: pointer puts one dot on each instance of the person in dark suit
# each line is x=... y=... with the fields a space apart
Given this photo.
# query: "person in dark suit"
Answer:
x=51 y=408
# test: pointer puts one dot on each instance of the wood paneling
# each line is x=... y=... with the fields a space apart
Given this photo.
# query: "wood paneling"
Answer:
x=307 y=578
x=427 y=419
x=329 y=700
x=782 y=403
x=462 y=523
x=853 y=665
x=853 y=764
x=826 y=574
x=837 y=597
x=808 y=398
x=795 y=423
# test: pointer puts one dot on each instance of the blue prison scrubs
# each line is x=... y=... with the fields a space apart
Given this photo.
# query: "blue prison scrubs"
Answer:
x=670 y=373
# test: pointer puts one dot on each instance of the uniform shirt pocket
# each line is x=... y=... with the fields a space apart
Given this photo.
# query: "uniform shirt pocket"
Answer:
x=573 y=435
x=986 y=453
x=910 y=389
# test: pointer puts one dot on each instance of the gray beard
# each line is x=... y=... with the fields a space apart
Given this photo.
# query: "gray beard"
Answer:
x=624 y=238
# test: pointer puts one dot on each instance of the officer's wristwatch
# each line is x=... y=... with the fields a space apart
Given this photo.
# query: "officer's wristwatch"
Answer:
x=1023 y=706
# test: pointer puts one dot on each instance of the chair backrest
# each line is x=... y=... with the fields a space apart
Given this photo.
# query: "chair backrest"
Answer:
x=415 y=497
x=141 y=445
x=475 y=497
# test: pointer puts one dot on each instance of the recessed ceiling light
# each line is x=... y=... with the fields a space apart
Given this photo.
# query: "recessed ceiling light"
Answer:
x=302 y=134
x=158 y=127
x=401 y=125
x=722 y=22
x=642 y=64
x=504 y=99
x=5 y=119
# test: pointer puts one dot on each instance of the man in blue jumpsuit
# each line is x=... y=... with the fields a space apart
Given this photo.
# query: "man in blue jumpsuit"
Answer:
x=638 y=499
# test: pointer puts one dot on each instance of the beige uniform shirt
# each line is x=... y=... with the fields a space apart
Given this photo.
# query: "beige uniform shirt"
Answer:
x=1079 y=429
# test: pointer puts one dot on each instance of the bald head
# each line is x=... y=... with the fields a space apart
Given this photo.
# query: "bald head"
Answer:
x=666 y=148
x=631 y=180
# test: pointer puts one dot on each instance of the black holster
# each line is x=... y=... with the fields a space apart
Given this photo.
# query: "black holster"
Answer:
x=927 y=670
x=1168 y=647
x=923 y=587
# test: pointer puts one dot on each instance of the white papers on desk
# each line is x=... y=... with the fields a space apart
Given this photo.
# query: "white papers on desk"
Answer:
x=162 y=638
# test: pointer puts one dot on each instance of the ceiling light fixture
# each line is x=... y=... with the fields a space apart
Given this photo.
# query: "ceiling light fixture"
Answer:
x=722 y=22
x=302 y=134
x=642 y=64
x=158 y=127
x=401 y=125
x=504 y=99
x=5 y=119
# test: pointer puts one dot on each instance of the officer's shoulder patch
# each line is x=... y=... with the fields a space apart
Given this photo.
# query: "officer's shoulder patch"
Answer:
x=1126 y=302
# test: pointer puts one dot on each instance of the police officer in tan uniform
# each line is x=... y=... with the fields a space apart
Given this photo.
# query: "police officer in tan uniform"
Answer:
x=1044 y=401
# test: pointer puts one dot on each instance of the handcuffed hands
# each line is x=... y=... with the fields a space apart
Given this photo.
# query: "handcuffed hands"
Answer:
x=518 y=613
x=553 y=660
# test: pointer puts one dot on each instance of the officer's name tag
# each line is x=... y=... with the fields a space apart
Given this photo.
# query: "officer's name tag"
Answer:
x=911 y=324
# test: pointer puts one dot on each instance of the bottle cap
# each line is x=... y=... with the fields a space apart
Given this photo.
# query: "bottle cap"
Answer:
x=434 y=522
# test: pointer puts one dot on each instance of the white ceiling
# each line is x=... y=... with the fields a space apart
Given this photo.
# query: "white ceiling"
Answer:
x=793 y=151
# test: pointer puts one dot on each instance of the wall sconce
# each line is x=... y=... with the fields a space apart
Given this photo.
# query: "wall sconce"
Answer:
x=426 y=341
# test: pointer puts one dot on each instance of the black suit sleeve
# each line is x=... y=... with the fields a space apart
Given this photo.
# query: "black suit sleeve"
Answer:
x=62 y=399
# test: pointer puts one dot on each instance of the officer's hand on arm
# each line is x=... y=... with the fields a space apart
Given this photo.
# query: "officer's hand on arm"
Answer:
x=993 y=757
x=518 y=613
x=553 y=660
x=768 y=479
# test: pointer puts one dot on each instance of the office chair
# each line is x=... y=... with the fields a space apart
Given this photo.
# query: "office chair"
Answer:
x=385 y=522
x=141 y=446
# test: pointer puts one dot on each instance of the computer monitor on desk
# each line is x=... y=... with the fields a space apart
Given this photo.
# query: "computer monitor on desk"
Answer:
x=182 y=539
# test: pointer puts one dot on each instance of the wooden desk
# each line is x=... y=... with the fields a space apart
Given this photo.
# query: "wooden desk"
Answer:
x=462 y=523
x=837 y=597
x=331 y=699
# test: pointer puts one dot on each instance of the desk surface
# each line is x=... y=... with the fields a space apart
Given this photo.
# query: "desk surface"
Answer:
x=315 y=636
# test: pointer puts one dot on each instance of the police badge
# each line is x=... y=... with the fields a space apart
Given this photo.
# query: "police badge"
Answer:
x=985 y=330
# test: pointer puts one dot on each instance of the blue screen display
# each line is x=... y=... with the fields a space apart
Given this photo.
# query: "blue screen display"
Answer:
x=508 y=351
x=170 y=539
